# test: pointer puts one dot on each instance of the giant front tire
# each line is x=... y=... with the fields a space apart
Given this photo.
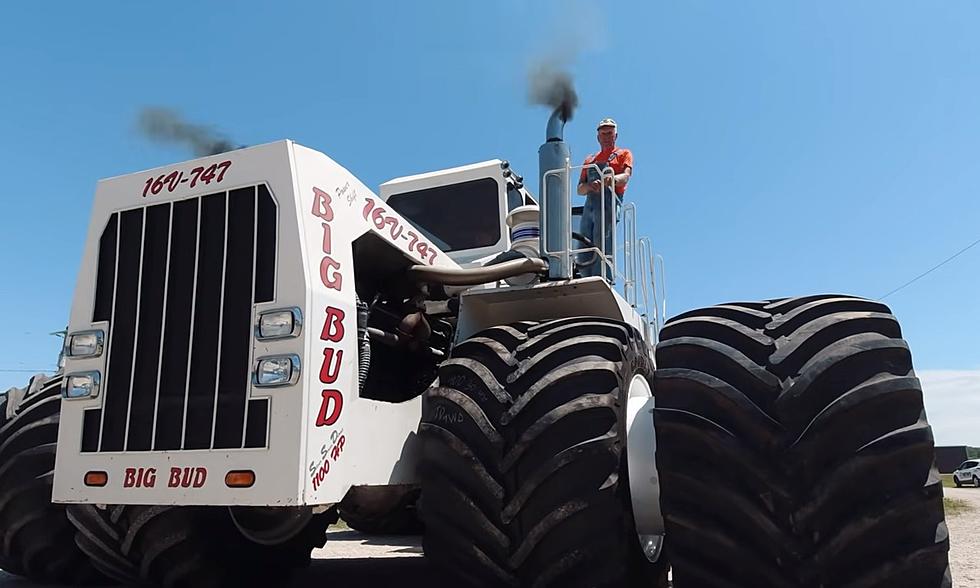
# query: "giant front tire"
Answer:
x=187 y=546
x=794 y=451
x=36 y=538
x=99 y=533
x=524 y=478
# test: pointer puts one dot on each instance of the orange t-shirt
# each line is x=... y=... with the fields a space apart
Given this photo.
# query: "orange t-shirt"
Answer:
x=619 y=159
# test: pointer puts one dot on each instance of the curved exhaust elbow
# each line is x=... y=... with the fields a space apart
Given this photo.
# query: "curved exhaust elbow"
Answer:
x=556 y=126
x=477 y=275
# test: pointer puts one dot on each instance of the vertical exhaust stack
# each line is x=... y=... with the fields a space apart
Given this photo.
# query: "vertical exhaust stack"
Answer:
x=553 y=87
x=556 y=234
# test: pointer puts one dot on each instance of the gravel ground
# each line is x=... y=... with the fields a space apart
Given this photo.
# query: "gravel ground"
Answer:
x=353 y=560
x=964 y=539
x=351 y=544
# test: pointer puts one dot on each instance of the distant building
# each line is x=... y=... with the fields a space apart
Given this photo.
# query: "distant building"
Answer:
x=948 y=458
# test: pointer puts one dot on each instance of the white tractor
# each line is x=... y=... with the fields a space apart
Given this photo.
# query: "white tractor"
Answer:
x=259 y=343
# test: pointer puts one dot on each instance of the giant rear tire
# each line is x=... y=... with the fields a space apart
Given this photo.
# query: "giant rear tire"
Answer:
x=794 y=449
x=524 y=479
x=36 y=538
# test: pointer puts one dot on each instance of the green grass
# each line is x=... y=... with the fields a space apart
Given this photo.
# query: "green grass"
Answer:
x=948 y=480
x=955 y=506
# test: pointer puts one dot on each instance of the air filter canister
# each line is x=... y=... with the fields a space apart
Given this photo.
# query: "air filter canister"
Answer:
x=525 y=232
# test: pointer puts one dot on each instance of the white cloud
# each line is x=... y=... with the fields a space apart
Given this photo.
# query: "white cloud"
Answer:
x=952 y=399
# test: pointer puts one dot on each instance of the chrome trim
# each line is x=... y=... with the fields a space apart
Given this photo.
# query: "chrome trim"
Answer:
x=295 y=366
x=297 y=324
x=99 y=343
x=96 y=385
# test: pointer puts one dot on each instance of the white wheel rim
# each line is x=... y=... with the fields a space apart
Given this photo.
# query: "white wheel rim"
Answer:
x=641 y=448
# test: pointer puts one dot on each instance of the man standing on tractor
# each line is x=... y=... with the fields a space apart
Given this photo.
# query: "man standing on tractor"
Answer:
x=594 y=185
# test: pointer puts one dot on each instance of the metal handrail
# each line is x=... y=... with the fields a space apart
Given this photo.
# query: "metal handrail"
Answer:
x=638 y=254
x=569 y=251
x=663 y=286
x=629 y=253
x=608 y=171
x=659 y=315
x=645 y=283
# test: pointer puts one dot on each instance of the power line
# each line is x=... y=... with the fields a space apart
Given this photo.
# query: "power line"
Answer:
x=932 y=269
x=25 y=371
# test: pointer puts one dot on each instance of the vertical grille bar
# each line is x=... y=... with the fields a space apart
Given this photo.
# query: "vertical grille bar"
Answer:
x=135 y=353
x=123 y=331
x=236 y=336
x=163 y=326
x=105 y=277
x=252 y=316
x=150 y=323
x=90 y=429
x=204 y=353
x=258 y=423
x=111 y=309
x=221 y=319
x=265 y=257
x=177 y=332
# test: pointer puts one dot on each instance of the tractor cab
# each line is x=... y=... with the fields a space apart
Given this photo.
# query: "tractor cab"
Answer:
x=462 y=210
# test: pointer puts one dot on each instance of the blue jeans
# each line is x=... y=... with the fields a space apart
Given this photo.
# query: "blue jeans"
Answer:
x=591 y=228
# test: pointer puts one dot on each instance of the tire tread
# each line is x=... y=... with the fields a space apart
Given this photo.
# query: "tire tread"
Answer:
x=800 y=438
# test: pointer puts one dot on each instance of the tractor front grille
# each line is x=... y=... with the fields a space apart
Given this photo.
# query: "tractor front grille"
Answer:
x=177 y=282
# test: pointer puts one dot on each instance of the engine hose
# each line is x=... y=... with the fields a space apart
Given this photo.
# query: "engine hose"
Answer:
x=477 y=275
x=363 y=342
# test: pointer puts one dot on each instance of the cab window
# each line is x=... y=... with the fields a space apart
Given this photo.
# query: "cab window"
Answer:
x=455 y=217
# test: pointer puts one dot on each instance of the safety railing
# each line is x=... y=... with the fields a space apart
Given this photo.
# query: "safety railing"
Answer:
x=563 y=255
x=630 y=251
x=663 y=288
x=649 y=262
x=636 y=269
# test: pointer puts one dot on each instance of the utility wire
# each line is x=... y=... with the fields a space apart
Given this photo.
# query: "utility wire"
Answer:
x=932 y=269
x=23 y=371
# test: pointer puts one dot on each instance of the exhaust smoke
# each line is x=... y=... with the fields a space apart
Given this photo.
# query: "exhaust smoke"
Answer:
x=165 y=125
x=578 y=27
x=550 y=85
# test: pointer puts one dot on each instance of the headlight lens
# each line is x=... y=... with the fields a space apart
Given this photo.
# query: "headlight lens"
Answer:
x=85 y=344
x=81 y=385
x=281 y=370
x=278 y=324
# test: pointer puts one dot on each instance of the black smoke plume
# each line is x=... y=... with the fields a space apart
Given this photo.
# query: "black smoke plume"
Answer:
x=550 y=85
x=167 y=126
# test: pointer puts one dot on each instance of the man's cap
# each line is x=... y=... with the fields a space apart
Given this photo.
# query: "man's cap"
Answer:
x=606 y=122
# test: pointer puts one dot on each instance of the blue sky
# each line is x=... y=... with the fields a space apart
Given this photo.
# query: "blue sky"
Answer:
x=781 y=148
